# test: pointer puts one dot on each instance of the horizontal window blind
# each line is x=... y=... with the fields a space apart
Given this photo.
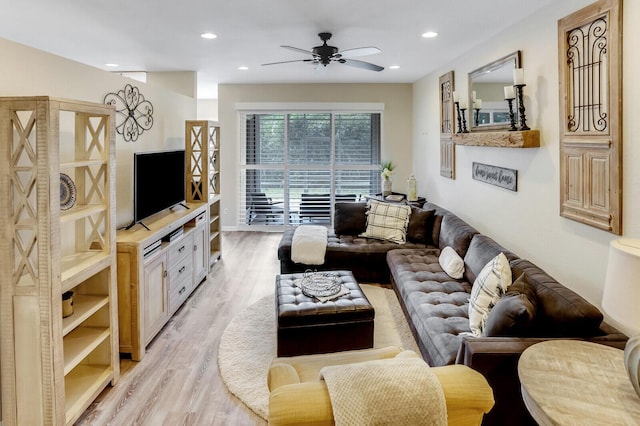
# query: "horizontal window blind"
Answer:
x=296 y=165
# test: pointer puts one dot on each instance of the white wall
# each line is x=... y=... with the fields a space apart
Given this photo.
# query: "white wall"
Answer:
x=208 y=109
x=26 y=72
x=396 y=125
x=528 y=221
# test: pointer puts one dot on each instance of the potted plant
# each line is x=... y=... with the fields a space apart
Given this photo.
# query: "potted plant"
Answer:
x=387 y=170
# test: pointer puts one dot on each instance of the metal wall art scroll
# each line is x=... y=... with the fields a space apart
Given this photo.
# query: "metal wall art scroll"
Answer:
x=134 y=114
x=494 y=175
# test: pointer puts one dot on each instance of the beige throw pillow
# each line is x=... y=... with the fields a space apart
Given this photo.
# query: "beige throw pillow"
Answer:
x=387 y=221
x=451 y=263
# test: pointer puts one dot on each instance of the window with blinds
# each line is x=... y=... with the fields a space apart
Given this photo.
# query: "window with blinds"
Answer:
x=296 y=165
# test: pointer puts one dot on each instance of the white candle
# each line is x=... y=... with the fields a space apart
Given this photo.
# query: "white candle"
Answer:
x=463 y=103
x=478 y=103
x=518 y=76
x=455 y=97
x=509 y=93
x=474 y=95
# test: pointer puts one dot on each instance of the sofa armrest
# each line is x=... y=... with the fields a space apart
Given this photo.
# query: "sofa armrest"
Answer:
x=300 y=404
x=468 y=395
x=281 y=374
x=496 y=358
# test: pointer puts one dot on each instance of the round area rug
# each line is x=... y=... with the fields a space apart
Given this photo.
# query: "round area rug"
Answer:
x=248 y=344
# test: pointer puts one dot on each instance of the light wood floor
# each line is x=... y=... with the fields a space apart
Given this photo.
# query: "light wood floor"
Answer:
x=178 y=382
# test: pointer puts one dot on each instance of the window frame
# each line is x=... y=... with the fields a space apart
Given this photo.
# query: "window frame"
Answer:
x=246 y=109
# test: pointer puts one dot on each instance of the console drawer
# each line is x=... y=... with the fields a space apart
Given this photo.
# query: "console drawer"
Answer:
x=178 y=294
x=180 y=248
x=201 y=218
x=180 y=271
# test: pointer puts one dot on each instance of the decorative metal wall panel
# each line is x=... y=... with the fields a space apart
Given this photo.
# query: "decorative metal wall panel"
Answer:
x=587 y=63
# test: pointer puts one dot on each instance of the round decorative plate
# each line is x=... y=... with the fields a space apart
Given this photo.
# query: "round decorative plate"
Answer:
x=67 y=192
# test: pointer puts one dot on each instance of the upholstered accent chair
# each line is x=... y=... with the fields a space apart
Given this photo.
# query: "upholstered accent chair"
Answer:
x=298 y=397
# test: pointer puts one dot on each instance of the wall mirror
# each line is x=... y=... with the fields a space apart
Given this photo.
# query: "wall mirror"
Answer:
x=488 y=84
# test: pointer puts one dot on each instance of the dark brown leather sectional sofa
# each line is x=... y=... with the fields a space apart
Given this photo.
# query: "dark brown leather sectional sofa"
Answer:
x=436 y=305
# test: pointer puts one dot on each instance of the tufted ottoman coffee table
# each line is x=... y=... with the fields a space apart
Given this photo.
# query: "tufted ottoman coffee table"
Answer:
x=307 y=326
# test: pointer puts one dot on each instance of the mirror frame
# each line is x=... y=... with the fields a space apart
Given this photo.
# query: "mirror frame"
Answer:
x=517 y=58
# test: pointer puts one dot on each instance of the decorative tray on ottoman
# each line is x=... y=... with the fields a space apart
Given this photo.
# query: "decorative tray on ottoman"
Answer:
x=320 y=284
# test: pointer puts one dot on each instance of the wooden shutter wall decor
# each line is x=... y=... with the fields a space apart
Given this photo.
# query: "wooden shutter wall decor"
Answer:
x=590 y=76
x=447 y=125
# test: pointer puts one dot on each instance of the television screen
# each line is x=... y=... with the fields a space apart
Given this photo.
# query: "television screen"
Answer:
x=159 y=182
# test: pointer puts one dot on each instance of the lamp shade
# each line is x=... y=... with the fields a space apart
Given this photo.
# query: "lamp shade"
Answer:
x=621 y=298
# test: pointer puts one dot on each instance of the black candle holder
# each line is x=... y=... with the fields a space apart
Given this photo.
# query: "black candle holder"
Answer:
x=458 y=114
x=476 y=117
x=464 y=121
x=512 y=116
x=523 y=119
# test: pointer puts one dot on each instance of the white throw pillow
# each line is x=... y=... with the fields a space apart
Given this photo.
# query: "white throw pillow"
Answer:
x=490 y=284
x=451 y=262
x=387 y=221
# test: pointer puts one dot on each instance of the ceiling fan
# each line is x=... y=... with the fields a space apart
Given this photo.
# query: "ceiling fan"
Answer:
x=325 y=54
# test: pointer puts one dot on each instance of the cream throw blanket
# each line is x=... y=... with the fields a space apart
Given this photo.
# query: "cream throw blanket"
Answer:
x=309 y=244
x=395 y=391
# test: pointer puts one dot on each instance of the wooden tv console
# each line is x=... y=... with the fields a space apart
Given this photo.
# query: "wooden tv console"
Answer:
x=158 y=268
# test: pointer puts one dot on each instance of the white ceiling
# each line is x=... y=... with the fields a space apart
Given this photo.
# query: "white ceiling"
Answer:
x=164 y=35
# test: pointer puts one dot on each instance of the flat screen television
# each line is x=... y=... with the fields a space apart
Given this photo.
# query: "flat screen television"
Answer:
x=158 y=182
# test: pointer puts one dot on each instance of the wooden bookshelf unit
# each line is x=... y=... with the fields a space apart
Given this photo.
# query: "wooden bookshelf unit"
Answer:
x=202 y=144
x=57 y=235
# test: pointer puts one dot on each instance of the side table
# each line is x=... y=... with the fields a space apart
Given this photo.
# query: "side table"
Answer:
x=576 y=382
x=379 y=197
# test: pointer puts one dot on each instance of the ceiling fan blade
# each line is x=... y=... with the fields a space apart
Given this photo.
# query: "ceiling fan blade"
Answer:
x=297 y=49
x=361 y=64
x=359 y=51
x=286 y=62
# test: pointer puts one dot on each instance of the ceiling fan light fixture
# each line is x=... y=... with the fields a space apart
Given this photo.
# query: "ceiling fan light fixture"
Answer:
x=208 y=36
x=430 y=34
x=394 y=67
x=243 y=67
x=326 y=54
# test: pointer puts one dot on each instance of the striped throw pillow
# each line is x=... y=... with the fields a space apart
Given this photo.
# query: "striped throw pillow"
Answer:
x=387 y=221
x=490 y=284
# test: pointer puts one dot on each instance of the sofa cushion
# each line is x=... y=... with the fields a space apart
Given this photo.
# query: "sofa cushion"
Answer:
x=455 y=233
x=420 y=228
x=514 y=313
x=436 y=305
x=387 y=221
x=560 y=311
x=435 y=232
x=451 y=263
x=350 y=218
x=492 y=282
x=481 y=250
x=365 y=257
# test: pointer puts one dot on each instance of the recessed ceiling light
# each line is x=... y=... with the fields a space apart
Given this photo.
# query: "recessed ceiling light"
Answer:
x=208 y=36
x=430 y=34
x=111 y=65
x=394 y=67
x=243 y=68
